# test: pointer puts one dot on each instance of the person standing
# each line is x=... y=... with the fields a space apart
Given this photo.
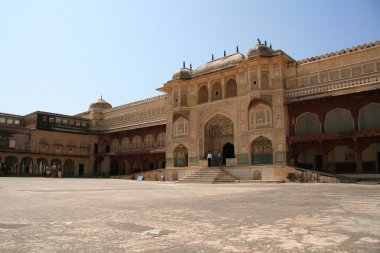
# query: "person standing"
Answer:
x=53 y=170
x=219 y=158
x=209 y=158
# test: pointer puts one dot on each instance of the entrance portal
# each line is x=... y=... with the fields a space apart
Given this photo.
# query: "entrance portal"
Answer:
x=228 y=152
x=180 y=156
x=219 y=138
x=261 y=151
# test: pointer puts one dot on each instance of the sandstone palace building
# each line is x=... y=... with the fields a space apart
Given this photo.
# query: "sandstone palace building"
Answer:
x=260 y=112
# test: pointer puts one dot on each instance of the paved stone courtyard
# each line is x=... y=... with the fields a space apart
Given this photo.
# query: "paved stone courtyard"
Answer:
x=111 y=215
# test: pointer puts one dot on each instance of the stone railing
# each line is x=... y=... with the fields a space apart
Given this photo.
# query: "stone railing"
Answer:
x=332 y=86
x=136 y=123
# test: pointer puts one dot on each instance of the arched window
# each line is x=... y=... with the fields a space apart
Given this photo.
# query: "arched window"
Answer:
x=231 y=88
x=161 y=140
x=115 y=145
x=308 y=123
x=180 y=127
x=149 y=141
x=216 y=91
x=261 y=151
x=203 y=94
x=339 y=120
x=125 y=144
x=136 y=142
x=260 y=116
x=369 y=117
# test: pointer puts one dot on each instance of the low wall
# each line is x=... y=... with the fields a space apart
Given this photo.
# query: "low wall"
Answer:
x=260 y=172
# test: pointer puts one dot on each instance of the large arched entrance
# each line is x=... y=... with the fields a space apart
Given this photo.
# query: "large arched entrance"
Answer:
x=180 y=156
x=11 y=164
x=69 y=168
x=219 y=137
x=261 y=151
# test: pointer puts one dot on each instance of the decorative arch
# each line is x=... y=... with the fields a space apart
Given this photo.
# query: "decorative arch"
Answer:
x=181 y=127
x=12 y=164
x=261 y=151
x=218 y=130
x=203 y=94
x=114 y=145
x=339 y=120
x=260 y=114
x=136 y=142
x=307 y=123
x=231 y=88
x=57 y=162
x=105 y=147
x=369 y=118
x=217 y=92
x=149 y=141
x=161 y=140
x=180 y=156
x=41 y=164
x=27 y=165
x=125 y=144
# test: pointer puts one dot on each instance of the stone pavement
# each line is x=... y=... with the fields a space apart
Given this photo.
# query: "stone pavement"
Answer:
x=111 y=215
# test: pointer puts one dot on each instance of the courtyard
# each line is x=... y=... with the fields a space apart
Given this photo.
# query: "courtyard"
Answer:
x=111 y=215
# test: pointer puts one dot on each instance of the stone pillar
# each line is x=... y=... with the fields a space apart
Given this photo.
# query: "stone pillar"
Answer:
x=358 y=154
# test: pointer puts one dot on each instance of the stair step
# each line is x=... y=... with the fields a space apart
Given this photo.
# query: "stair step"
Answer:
x=207 y=175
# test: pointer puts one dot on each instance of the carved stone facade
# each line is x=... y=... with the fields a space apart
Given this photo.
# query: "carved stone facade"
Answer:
x=258 y=112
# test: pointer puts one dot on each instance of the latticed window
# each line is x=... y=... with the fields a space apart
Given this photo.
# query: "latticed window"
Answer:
x=180 y=127
x=161 y=140
x=260 y=117
x=136 y=142
x=114 y=145
x=149 y=141
x=124 y=144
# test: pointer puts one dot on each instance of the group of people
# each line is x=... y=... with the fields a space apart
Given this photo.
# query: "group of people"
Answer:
x=210 y=159
x=28 y=170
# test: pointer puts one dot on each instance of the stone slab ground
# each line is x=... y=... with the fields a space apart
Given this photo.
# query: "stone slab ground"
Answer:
x=111 y=215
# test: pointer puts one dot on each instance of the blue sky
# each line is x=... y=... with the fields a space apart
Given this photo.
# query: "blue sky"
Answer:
x=61 y=55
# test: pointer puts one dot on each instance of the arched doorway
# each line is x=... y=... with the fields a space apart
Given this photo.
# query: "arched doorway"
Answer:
x=69 y=168
x=41 y=164
x=11 y=164
x=180 y=156
x=218 y=132
x=114 y=169
x=261 y=151
x=228 y=152
x=27 y=166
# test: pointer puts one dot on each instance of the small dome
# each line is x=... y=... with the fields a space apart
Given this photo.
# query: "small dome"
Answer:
x=182 y=73
x=260 y=50
x=100 y=104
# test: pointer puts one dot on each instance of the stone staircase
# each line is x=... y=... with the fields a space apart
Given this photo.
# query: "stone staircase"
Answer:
x=209 y=175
